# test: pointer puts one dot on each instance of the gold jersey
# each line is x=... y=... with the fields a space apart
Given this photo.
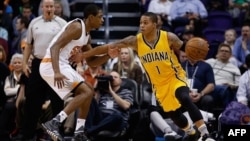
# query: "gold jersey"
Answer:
x=162 y=68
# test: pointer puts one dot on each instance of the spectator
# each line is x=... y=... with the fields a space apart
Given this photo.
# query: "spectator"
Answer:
x=11 y=87
x=160 y=24
x=25 y=12
x=187 y=34
x=4 y=45
x=3 y=31
x=243 y=92
x=59 y=11
x=111 y=110
x=4 y=71
x=162 y=8
x=189 y=14
x=237 y=7
x=18 y=6
x=226 y=76
x=229 y=38
x=127 y=67
x=242 y=47
x=22 y=24
x=65 y=8
x=182 y=56
x=201 y=77
x=3 y=55
x=5 y=17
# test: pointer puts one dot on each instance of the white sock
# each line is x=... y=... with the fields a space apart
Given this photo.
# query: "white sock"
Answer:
x=62 y=116
x=80 y=123
x=203 y=129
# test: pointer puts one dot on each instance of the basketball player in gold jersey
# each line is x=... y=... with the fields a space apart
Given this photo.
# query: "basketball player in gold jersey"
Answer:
x=156 y=49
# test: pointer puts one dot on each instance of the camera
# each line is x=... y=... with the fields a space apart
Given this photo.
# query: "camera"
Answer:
x=103 y=82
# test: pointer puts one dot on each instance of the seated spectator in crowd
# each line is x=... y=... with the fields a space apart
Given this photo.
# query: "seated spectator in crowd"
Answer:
x=217 y=5
x=237 y=7
x=243 y=92
x=226 y=76
x=25 y=12
x=230 y=36
x=59 y=10
x=4 y=71
x=127 y=67
x=182 y=56
x=242 y=47
x=22 y=24
x=11 y=87
x=5 y=17
x=3 y=55
x=162 y=8
x=188 y=14
x=18 y=6
x=187 y=34
x=4 y=48
x=160 y=24
x=110 y=110
x=201 y=77
x=3 y=31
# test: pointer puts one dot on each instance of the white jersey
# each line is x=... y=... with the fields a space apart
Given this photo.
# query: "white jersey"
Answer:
x=74 y=78
x=72 y=47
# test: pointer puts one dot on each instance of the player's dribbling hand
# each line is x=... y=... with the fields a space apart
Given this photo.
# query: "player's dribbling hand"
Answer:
x=59 y=80
x=113 y=51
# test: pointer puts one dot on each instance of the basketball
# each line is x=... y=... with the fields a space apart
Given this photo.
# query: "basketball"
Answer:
x=196 y=49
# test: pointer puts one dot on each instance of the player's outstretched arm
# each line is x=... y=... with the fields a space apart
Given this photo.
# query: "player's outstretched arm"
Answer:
x=129 y=41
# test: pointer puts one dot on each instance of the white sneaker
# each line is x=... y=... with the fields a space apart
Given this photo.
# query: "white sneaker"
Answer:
x=206 y=137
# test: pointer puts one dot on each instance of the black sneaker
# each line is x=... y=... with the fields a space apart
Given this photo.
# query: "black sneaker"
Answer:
x=79 y=135
x=52 y=128
x=206 y=137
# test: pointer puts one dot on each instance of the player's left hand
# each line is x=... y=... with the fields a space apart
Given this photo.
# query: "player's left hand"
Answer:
x=59 y=80
x=113 y=51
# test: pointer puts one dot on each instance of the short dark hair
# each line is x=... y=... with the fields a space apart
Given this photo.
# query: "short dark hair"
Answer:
x=247 y=61
x=24 y=20
x=91 y=9
x=224 y=45
x=151 y=15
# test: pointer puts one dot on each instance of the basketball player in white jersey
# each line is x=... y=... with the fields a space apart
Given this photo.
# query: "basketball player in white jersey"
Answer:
x=56 y=70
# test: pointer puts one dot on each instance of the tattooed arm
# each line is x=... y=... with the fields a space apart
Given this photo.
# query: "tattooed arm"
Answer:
x=174 y=42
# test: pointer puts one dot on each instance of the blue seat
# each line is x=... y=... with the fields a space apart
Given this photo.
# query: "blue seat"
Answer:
x=214 y=37
x=219 y=19
x=213 y=34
